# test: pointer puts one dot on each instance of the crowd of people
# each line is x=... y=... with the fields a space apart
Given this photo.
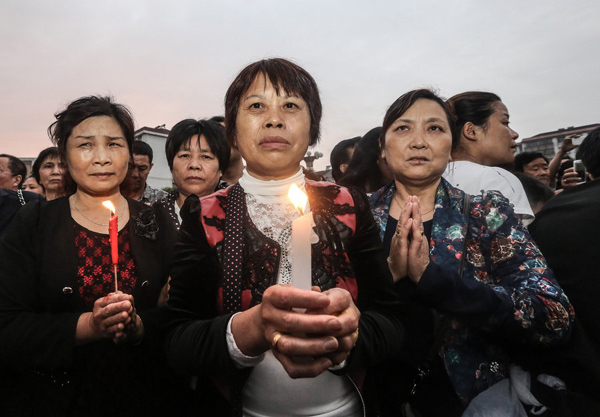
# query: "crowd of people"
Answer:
x=443 y=284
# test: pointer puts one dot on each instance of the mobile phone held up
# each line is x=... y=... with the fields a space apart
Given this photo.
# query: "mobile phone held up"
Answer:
x=579 y=168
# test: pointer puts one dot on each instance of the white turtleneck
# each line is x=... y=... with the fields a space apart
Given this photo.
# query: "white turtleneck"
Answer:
x=269 y=390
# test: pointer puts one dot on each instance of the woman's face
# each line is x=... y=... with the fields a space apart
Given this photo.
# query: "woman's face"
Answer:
x=97 y=156
x=272 y=131
x=498 y=141
x=196 y=168
x=418 y=143
x=52 y=172
x=32 y=185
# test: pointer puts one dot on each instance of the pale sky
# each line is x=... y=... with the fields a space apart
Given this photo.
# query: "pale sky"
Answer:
x=168 y=61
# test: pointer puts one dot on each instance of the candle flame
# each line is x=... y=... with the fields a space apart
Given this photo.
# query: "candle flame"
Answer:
x=298 y=197
x=109 y=206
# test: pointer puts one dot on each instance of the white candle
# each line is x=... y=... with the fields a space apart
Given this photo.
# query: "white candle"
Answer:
x=301 y=242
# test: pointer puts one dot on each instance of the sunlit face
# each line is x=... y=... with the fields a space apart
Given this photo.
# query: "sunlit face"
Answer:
x=52 y=172
x=8 y=181
x=32 y=185
x=97 y=156
x=418 y=143
x=196 y=168
x=538 y=168
x=138 y=172
x=497 y=143
x=272 y=131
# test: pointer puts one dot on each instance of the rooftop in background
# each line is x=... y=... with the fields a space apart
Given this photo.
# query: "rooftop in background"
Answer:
x=160 y=175
x=548 y=143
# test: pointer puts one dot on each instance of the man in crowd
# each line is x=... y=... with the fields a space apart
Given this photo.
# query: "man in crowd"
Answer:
x=566 y=231
x=135 y=186
x=533 y=164
x=12 y=176
x=12 y=172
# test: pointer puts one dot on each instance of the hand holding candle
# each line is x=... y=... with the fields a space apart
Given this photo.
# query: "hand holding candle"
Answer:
x=113 y=232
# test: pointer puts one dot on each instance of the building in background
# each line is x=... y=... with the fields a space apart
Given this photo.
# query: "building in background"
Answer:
x=160 y=175
x=548 y=143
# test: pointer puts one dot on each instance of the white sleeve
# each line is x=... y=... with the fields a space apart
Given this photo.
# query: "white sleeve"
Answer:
x=241 y=360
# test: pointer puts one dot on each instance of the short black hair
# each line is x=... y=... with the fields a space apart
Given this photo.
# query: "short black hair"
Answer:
x=524 y=158
x=339 y=155
x=17 y=167
x=589 y=153
x=537 y=192
x=51 y=152
x=284 y=75
x=214 y=133
x=142 y=148
x=363 y=171
x=218 y=119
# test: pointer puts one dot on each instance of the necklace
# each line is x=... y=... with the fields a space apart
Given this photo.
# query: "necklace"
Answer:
x=400 y=205
x=87 y=218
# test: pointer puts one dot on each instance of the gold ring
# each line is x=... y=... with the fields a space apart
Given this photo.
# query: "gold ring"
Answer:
x=276 y=340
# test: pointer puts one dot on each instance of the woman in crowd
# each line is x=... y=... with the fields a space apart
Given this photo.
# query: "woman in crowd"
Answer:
x=72 y=345
x=198 y=154
x=484 y=145
x=32 y=185
x=474 y=280
x=248 y=338
x=367 y=170
x=49 y=171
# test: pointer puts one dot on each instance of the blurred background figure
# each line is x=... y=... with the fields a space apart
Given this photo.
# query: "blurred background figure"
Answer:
x=198 y=154
x=367 y=170
x=537 y=192
x=32 y=185
x=135 y=185
x=484 y=144
x=49 y=171
x=236 y=164
x=341 y=154
x=533 y=164
x=557 y=168
x=567 y=231
x=12 y=172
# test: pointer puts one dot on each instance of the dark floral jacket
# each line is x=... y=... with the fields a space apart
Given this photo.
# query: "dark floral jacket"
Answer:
x=507 y=298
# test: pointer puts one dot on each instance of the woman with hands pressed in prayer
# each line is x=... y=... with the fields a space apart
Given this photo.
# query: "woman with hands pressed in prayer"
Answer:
x=260 y=346
x=475 y=283
x=71 y=343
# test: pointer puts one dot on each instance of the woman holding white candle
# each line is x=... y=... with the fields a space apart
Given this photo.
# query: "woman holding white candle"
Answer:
x=247 y=336
x=73 y=345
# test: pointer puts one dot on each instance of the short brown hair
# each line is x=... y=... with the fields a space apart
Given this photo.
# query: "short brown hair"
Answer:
x=284 y=75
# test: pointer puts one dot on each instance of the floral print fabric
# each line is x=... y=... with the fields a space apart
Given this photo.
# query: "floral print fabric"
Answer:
x=507 y=297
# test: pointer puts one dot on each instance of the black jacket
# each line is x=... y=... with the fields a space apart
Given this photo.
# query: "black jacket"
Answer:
x=40 y=307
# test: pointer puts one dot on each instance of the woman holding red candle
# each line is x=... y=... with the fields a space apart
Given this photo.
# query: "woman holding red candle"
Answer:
x=244 y=335
x=73 y=344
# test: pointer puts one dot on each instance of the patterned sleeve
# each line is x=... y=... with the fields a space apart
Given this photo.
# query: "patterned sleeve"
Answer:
x=507 y=288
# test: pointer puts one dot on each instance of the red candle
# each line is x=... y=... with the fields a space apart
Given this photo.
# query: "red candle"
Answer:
x=113 y=233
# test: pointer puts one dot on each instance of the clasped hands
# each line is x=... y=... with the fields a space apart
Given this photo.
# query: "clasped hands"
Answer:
x=409 y=249
x=305 y=343
x=115 y=317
